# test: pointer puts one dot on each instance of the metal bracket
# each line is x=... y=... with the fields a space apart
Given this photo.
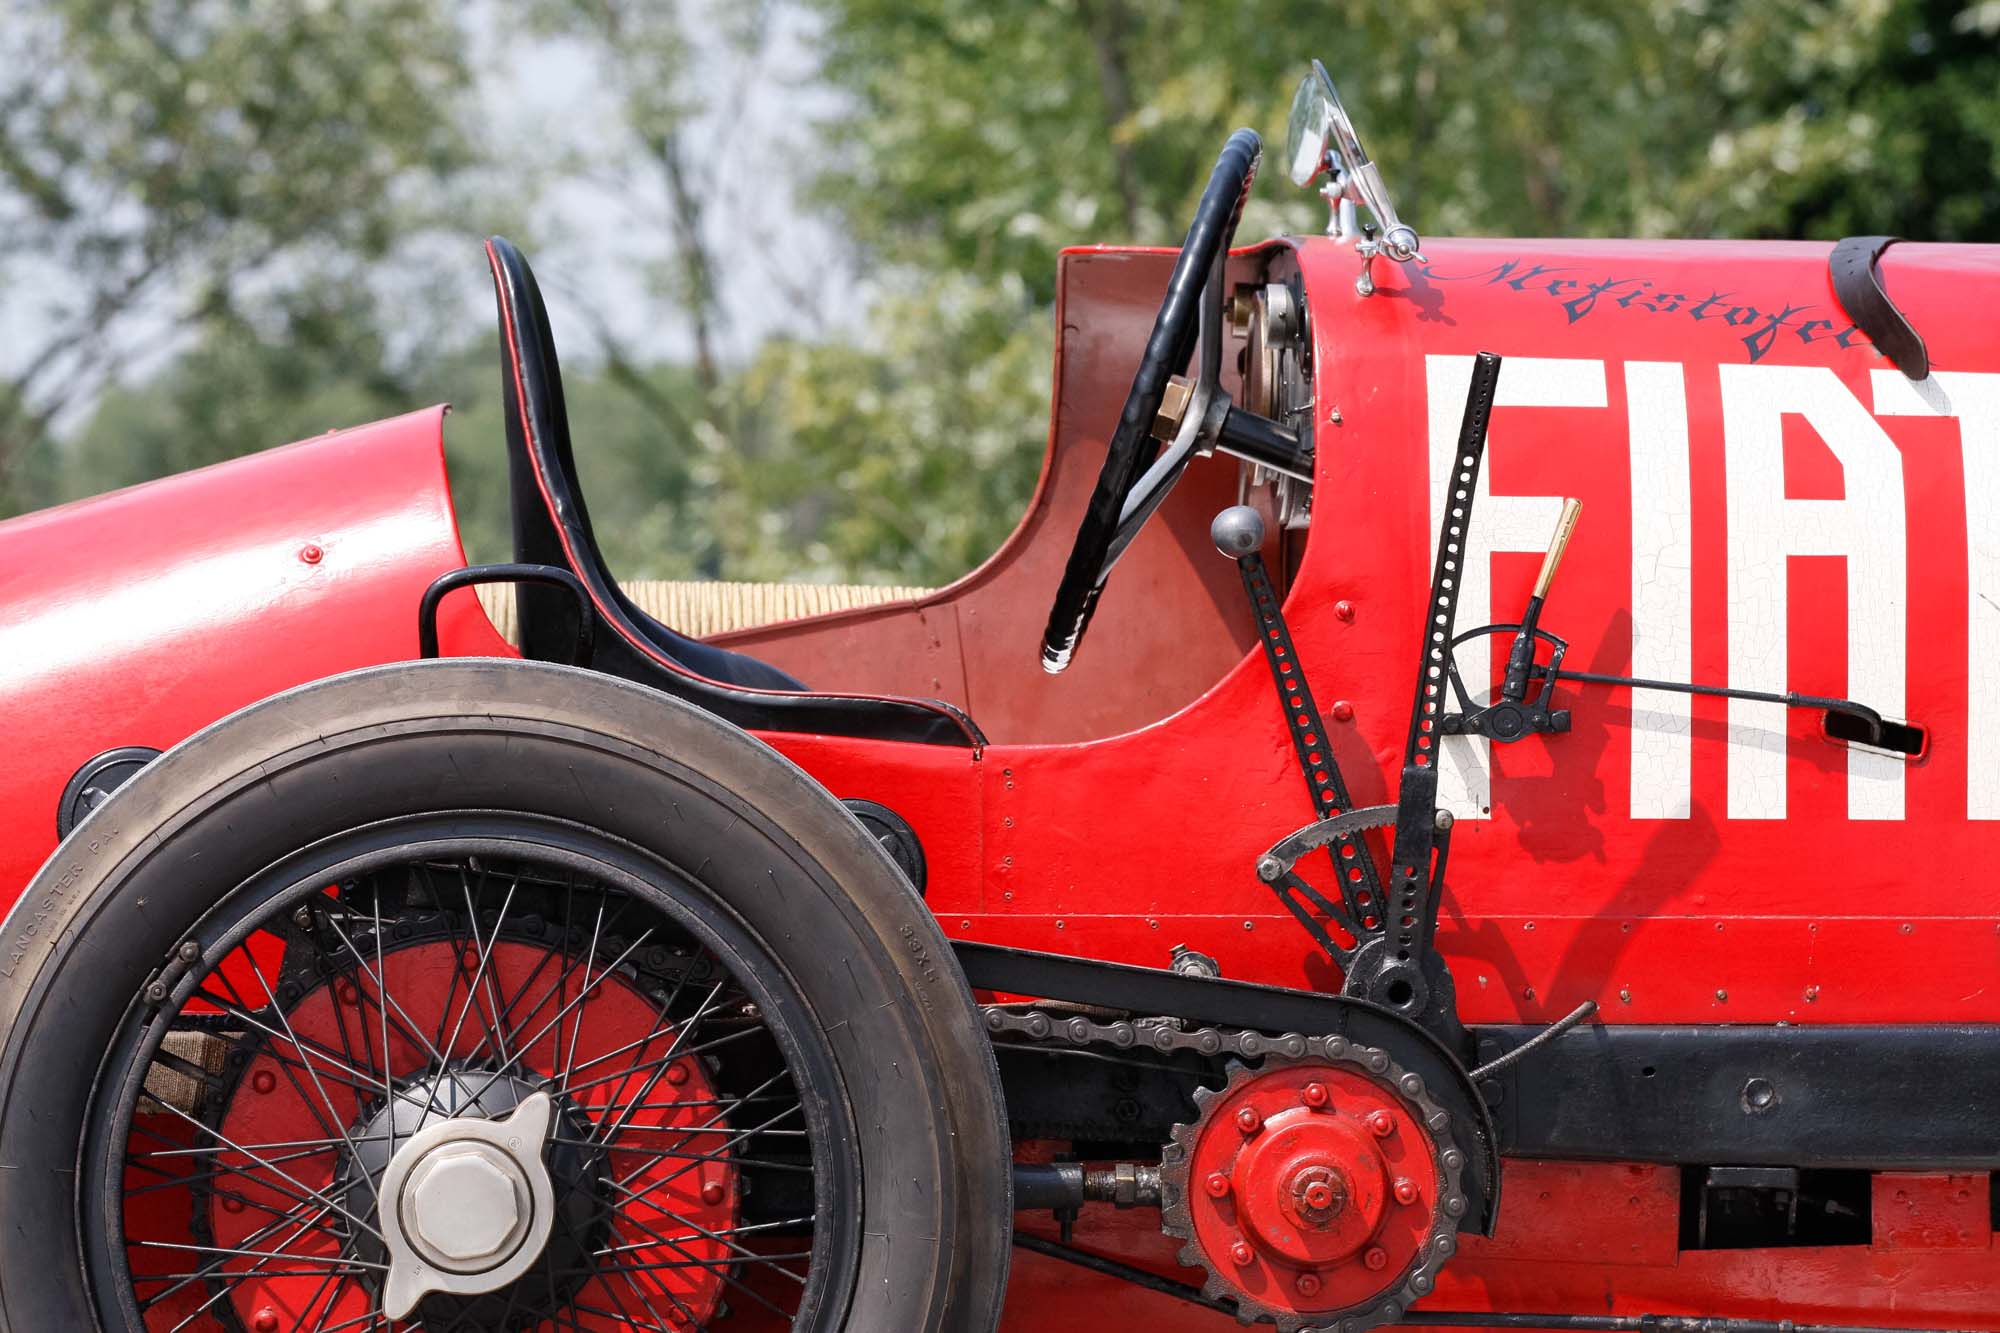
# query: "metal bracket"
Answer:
x=1857 y=285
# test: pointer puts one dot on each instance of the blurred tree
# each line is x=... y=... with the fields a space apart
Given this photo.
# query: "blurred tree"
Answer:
x=901 y=461
x=168 y=162
x=966 y=145
x=1862 y=117
x=979 y=140
x=652 y=462
x=239 y=390
x=983 y=140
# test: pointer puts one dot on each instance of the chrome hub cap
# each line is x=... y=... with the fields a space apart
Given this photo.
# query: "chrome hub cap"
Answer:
x=467 y=1205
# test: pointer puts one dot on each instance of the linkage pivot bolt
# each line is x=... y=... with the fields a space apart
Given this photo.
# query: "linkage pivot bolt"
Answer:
x=1381 y=1124
x=1248 y=1120
x=1314 y=1095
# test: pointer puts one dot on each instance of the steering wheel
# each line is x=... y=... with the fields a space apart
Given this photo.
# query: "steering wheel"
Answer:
x=1137 y=475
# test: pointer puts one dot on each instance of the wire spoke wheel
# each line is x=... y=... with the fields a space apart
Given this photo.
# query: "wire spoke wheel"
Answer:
x=474 y=1082
x=486 y=996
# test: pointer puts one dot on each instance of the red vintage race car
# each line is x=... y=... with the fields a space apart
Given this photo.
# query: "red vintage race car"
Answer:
x=1378 y=917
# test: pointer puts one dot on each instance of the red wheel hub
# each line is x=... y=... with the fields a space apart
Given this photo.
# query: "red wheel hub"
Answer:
x=679 y=1194
x=1313 y=1188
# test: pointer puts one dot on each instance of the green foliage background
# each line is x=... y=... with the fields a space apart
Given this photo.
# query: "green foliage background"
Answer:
x=239 y=174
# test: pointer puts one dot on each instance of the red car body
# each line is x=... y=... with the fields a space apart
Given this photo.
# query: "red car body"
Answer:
x=1768 y=504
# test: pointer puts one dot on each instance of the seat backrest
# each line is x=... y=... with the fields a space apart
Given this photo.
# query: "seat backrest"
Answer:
x=552 y=527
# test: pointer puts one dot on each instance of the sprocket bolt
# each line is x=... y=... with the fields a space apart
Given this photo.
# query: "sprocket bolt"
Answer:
x=1218 y=1185
x=1315 y=1094
x=1381 y=1124
x=1248 y=1120
x=1308 y=1285
x=1406 y=1190
x=1377 y=1258
x=1241 y=1254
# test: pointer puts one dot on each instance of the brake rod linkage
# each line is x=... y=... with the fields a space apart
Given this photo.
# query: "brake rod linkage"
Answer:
x=1517 y=713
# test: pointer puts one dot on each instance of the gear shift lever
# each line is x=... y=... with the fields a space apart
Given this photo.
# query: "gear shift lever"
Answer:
x=1238 y=532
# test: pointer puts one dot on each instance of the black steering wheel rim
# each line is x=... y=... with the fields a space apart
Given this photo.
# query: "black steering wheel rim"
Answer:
x=1133 y=449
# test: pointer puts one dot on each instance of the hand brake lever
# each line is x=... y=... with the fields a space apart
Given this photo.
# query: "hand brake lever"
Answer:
x=1514 y=685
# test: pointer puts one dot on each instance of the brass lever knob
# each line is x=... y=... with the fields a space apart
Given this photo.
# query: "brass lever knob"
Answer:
x=1565 y=527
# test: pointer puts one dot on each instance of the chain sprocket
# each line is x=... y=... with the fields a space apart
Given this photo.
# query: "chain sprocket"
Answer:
x=1443 y=1190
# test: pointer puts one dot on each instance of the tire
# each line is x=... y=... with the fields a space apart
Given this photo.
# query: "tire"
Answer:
x=483 y=744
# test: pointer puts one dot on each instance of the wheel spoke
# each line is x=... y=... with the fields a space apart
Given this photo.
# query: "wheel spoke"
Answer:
x=720 y=1270
x=485 y=953
x=610 y=1130
x=308 y=1191
x=214 y=1266
x=335 y=1121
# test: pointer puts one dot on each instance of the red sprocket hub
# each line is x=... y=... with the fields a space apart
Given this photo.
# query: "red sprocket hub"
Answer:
x=1311 y=1191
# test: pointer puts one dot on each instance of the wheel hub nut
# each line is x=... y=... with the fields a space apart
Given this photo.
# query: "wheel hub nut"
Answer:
x=463 y=1206
x=467 y=1205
